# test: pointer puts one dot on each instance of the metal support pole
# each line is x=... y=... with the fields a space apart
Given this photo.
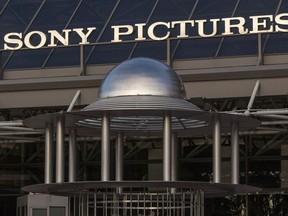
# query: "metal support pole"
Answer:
x=252 y=98
x=260 y=50
x=82 y=63
x=105 y=148
x=168 y=52
x=174 y=158
x=216 y=150
x=48 y=154
x=60 y=149
x=167 y=146
x=235 y=153
x=119 y=159
x=75 y=98
x=72 y=155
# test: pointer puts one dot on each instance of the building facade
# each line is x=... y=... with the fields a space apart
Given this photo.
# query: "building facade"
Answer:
x=231 y=56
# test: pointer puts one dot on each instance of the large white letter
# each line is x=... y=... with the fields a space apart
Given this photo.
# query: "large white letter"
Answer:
x=42 y=39
x=9 y=40
x=201 y=27
x=117 y=33
x=140 y=35
x=280 y=21
x=182 y=24
x=83 y=36
x=239 y=25
x=261 y=21
x=152 y=27
x=54 y=34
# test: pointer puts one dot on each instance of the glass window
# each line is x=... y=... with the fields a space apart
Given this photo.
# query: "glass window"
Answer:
x=23 y=210
x=207 y=9
x=239 y=45
x=39 y=212
x=57 y=211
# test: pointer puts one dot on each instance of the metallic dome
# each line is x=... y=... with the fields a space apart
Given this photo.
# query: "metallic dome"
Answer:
x=136 y=93
x=142 y=76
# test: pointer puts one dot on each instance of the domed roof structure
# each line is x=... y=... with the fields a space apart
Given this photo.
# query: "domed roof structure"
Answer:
x=142 y=76
x=142 y=84
x=136 y=93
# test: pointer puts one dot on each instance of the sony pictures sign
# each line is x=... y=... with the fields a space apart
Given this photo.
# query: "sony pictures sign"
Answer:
x=142 y=31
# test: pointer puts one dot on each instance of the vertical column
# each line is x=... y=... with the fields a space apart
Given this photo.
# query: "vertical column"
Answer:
x=119 y=159
x=167 y=146
x=49 y=154
x=105 y=148
x=60 y=149
x=72 y=155
x=235 y=153
x=216 y=149
x=174 y=158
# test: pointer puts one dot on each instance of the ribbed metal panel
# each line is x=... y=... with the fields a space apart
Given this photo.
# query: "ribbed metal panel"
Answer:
x=143 y=123
x=141 y=103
